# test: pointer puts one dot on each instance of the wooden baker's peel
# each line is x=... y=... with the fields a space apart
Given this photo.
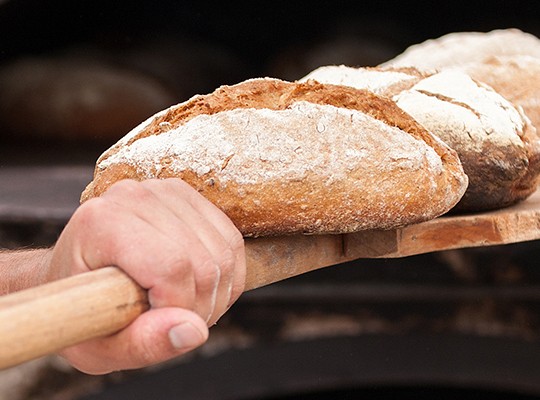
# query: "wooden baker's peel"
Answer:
x=43 y=320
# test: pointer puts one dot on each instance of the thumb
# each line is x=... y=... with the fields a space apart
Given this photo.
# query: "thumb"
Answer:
x=186 y=336
x=155 y=336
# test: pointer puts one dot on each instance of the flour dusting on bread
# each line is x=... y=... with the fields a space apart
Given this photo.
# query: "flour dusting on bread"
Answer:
x=451 y=104
x=373 y=79
x=281 y=158
x=245 y=142
x=496 y=142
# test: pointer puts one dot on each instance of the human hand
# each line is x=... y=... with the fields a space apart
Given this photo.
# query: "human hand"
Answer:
x=171 y=241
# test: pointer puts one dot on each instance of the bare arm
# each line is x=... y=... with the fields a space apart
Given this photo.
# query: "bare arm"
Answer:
x=22 y=269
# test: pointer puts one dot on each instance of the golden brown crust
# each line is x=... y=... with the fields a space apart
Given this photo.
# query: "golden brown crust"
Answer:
x=458 y=48
x=497 y=184
x=506 y=60
x=500 y=175
x=517 y=78
x=421 y=178
x=278 y=95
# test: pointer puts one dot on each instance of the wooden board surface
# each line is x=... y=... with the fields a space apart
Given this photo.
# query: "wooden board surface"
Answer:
x=276 y=258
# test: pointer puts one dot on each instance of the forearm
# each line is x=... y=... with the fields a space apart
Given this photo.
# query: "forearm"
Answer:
x=22 y=269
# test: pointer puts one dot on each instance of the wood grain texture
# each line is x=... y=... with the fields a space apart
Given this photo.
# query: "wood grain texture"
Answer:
x=42 y=320
x=274 y=259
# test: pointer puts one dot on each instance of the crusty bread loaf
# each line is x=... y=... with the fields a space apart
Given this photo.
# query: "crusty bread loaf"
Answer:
x=516 y=78
x=508 y=60
x=281 y=158
x=460 y=48
x=496 y=143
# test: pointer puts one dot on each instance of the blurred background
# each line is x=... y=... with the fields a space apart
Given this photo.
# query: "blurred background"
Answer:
x=75 y=76
x=89 y=71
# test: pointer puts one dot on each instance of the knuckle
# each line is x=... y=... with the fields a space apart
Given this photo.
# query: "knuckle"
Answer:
x=124 y=184
x=175 y=264
x=208 y=275
x=91 y=212
x=128 y=188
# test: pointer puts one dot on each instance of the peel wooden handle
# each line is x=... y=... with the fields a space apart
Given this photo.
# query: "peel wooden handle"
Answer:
x=43 y=320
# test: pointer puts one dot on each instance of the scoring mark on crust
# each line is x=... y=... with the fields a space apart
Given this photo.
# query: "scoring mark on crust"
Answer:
x=449 y=100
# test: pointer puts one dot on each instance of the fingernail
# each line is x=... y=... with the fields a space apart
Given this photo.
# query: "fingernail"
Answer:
x=185 y=336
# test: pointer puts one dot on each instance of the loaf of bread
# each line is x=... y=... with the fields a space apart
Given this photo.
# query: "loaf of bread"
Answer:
x=459 y=48
x=516 y=78
x=497 y=145
x=281 y=158
x=508 y=60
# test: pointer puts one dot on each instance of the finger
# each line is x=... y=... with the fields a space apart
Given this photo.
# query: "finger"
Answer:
x=228 y=230
x=200 y=203
x=218 y=234
x=154 y=260
x=239 y=282
x=156 y=336
x=201 y=244
x=184 y=203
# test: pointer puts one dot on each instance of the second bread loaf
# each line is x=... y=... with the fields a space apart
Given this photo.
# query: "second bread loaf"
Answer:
x=496 y=143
